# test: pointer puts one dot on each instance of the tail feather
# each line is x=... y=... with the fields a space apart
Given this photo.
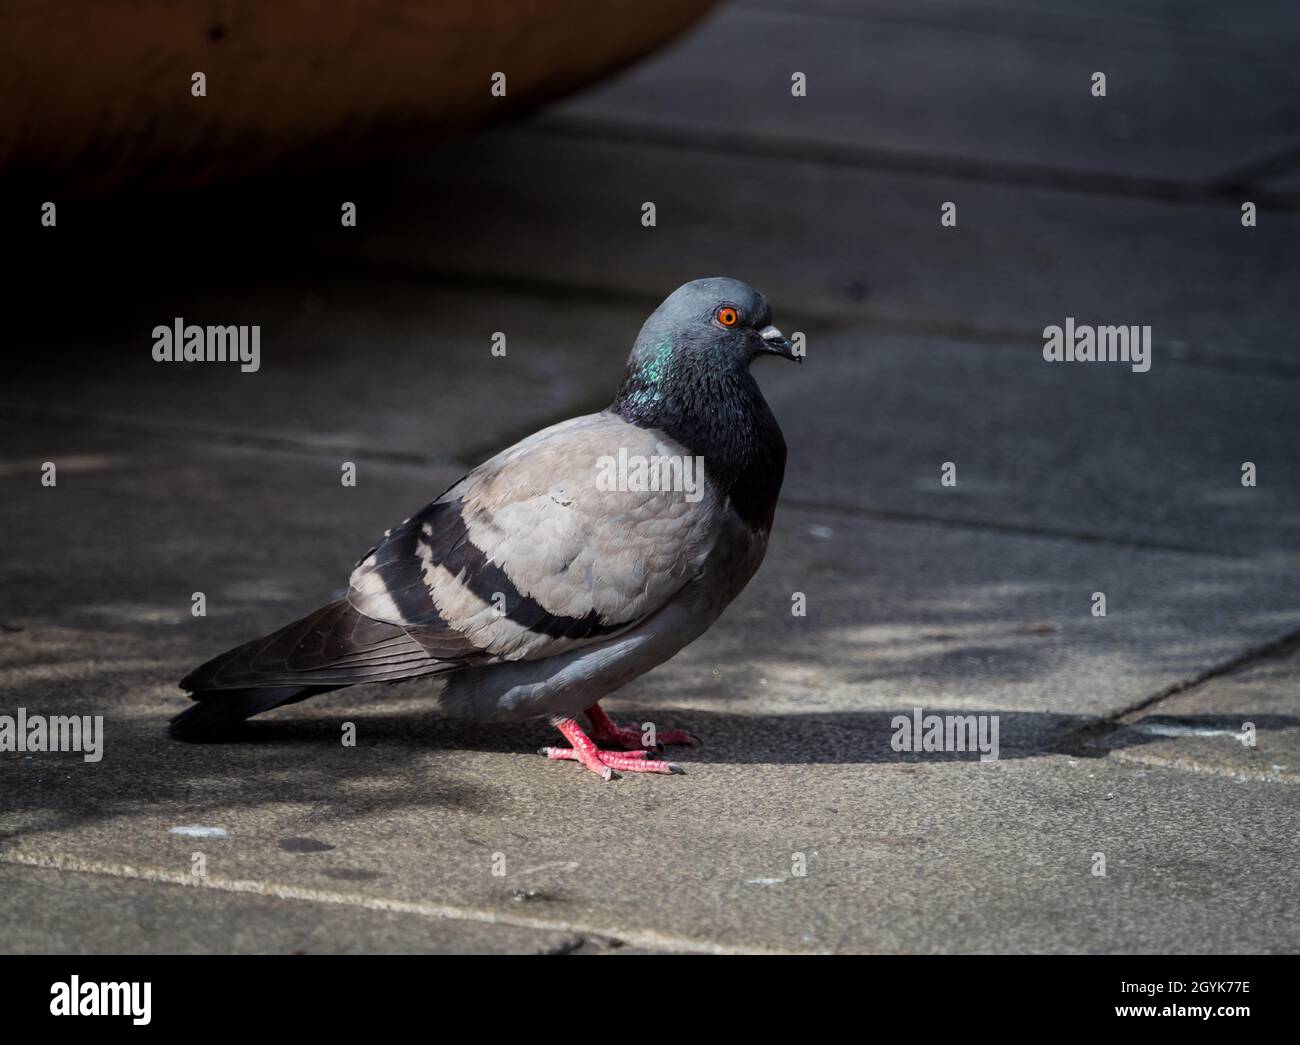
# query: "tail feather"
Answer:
x=218 y=713
x=333 y=647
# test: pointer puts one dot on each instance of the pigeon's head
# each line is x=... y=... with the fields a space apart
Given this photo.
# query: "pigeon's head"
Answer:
x=710 y=324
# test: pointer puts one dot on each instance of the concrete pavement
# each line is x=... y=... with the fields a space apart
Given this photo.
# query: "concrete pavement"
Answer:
x=798 y=826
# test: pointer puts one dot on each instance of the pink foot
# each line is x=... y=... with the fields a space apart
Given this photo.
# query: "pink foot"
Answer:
x=605 y=730
x=603 y=763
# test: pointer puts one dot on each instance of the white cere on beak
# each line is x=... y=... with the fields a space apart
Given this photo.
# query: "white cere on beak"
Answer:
x=770 y=333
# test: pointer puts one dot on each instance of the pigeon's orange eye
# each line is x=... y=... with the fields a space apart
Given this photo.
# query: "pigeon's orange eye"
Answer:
x=728 y=316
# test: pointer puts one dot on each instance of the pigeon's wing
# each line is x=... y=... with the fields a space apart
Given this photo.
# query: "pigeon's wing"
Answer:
x=332 y=646
x=577 y=533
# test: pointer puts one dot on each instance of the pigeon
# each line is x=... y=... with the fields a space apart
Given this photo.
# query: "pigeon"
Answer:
x=565 y=566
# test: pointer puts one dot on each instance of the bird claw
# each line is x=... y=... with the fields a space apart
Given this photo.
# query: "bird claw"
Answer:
x=605 y=764
x=605 y=730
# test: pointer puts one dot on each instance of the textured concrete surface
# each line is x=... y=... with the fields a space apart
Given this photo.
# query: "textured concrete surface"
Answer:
x=132 y=917
x=346 y=366
x=798 y=826
x=1174 y=109
x=1161 y=465
x=1243 y=726
x=846 y=241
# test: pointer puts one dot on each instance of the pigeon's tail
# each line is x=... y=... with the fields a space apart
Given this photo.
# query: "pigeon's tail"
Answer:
x=217 y=713
x=334 y=647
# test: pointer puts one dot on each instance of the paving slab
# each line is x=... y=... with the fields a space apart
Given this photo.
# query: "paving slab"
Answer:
x=1178 y=22
x=67 y=912
x=906 y=851
x=934 y=856
x=374 y=363
x=934 y=87
x=901 y=851
x=478 y=237
x=1243 y=725
x=1092 y=450
x=833 y=242
x=1287 y=179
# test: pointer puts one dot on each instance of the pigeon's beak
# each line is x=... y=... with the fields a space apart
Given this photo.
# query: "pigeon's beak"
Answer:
x=778 y=344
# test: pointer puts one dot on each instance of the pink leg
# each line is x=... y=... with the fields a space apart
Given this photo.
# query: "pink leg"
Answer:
x=605 y=730
x=603 y=763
